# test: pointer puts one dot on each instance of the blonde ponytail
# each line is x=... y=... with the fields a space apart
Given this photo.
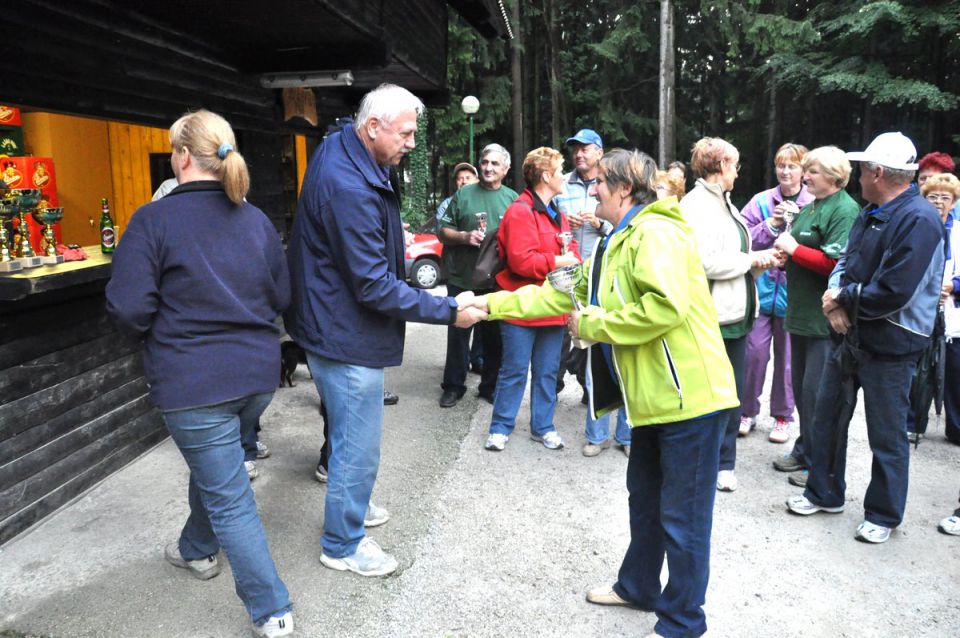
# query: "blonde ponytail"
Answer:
x=212 y=145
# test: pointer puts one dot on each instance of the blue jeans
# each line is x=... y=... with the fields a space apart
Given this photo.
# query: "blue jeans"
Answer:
x=598 y=430
x=672 y=481
x=223 y=512
x=886 y=388
x=353 y=397
x=536 y=349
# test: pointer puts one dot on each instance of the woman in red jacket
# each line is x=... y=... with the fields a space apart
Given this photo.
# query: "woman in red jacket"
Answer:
x=531 y=242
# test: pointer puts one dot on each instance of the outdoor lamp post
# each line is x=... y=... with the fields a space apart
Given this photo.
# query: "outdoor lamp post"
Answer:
x=470 y=106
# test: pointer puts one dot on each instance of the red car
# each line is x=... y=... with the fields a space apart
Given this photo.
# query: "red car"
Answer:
x=424 y=257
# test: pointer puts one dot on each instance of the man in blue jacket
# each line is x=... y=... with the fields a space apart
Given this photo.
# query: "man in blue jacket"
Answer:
x=350 y=304
x=891 y=275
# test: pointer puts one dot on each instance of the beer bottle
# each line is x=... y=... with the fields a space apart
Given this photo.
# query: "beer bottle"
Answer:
x=108 y=239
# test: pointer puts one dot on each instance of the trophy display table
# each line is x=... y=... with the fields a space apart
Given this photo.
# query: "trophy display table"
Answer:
x=74 y=405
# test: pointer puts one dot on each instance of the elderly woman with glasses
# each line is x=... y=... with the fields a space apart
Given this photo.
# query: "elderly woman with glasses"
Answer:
x=731 y=266
x=658 y=353
x=767 y=215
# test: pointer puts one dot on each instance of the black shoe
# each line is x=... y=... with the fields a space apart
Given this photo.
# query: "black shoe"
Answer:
x=449 y=398
x=585 y=399
x=486 y=397
x=476 y=368
x=389 y=398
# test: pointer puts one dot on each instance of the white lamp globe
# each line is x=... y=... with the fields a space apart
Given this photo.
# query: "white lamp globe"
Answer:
x=470 y=105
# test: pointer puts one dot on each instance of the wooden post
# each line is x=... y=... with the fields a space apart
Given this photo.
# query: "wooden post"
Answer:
x=667 y=139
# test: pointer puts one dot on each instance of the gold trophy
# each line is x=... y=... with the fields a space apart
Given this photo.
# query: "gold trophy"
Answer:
x=27 y=200
x=48 y=217
x=8 y=210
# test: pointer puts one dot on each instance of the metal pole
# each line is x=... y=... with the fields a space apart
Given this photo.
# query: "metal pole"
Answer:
x=471 y=139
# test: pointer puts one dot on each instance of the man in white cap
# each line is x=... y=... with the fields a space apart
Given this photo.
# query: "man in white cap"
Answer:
x=883 y=297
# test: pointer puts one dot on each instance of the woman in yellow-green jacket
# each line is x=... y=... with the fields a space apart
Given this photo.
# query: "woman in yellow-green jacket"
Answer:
x=659 y=354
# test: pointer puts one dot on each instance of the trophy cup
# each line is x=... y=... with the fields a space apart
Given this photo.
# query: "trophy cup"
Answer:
x=565 y=239
x=8 y=210
x=27 y=200
x=47 y=217
x=565 y=279
x=482 y=222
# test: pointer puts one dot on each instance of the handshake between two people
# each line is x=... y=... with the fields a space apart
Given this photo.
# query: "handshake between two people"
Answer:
x=471 y=308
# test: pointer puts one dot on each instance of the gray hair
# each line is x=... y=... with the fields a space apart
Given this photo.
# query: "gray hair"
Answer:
x=893 y=175
x=634 y=169
x=496 y=148
x=386 y=102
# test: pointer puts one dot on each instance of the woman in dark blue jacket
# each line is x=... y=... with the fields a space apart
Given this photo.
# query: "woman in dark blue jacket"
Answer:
x=201 y=277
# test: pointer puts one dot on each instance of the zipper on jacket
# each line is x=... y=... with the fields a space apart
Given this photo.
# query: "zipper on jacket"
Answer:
x=673 y=370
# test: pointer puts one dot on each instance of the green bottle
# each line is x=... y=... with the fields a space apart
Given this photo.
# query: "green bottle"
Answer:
x=108 y=239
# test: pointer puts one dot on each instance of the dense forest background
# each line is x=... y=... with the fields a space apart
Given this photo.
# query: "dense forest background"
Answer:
x=756 y=72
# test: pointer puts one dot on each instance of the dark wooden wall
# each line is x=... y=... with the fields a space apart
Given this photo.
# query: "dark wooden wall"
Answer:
x=73 y=402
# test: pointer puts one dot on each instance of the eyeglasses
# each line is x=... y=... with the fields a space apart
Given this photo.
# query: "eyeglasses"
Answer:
x=933 y=198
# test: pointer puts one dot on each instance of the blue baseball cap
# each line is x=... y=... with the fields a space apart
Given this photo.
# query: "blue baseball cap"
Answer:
x=586 y=136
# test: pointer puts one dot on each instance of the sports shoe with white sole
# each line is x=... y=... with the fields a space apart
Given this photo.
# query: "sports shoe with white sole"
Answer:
x=368 y=560
x=726 y=481
x=872 y=533
x=551 y=440
x=780 y=432
x=262 y=450
x=276 y=626
x=747 y=423
x=203 y=568
x=496 y=442
x=375 y=516
x=950 y=525
x=800 y=505
x=320 y=473
x=251 y=468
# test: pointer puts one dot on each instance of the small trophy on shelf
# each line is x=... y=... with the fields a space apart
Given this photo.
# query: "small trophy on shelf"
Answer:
x=49 y=216
x=27 y=200
x=8 y=210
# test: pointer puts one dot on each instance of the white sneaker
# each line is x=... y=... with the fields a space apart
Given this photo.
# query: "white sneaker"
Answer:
x=375 y=516
x=801 y=505
x=781 y=431
x=276 y=626
x=368 y=560
x=496 y=442
x=950 y=525
x=551 y=440
x=872 y=533
x=203 y=568
x=262 y=450
x=747 y=423
x=251 y=468
x=726 y=481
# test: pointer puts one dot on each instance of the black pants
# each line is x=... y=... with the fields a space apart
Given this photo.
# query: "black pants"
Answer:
x=737 y=353
x=574 y=361
x=458 y=354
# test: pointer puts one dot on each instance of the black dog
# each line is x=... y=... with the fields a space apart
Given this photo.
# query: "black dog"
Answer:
x=291 y=355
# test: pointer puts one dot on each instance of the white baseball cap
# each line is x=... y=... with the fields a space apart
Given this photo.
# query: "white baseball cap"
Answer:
x=893 y=150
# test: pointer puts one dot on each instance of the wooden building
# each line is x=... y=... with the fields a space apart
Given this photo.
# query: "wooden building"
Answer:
x=98 y=82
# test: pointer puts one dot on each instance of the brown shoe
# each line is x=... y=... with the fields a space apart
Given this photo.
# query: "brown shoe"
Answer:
x=605 y=595
x=593 y=449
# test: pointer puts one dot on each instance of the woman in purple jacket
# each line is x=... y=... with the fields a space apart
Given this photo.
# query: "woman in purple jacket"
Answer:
x=767 y=215
x=200 y=277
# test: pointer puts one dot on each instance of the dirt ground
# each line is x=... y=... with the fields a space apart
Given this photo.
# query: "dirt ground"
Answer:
x=489 y=544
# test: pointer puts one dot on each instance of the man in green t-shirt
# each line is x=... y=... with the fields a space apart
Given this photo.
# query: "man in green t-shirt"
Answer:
x=474 y=211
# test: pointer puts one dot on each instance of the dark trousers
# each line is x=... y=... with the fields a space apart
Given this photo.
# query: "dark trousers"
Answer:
x=737 y=353
x=672 y=482
x=951 y=391
x=458 y=354
x=809 y=356
x=574 y=361
x=886 y=398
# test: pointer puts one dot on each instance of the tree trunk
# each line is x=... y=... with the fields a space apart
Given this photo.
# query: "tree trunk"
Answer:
x=667 y=140
x=553 y=70
x=772 y=134
x=516 y=72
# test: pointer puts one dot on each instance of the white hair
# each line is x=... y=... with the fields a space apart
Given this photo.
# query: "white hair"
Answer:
x=496 y=148
x=386 y=102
